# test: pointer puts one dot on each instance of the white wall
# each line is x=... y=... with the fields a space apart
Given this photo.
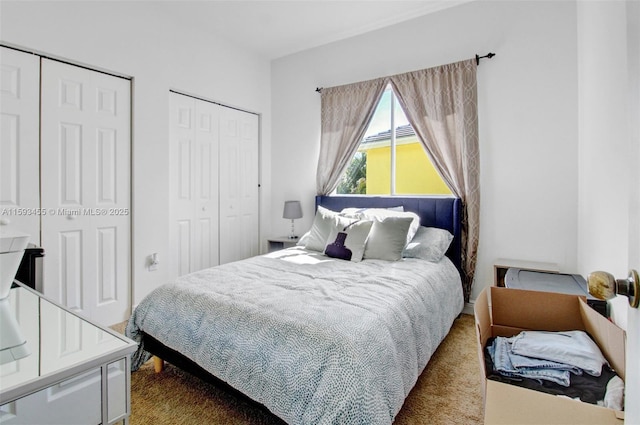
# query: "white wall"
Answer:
x=138 y=40
x=527 y=98
x=603 y=213
x=609 y=147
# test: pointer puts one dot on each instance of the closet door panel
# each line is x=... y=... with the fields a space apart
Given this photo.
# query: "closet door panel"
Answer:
x=85 y=147
x=194 y=184
x=19 y=141
x=181 y=199
x=249 y=163
x=239 y=193
x=207 y=182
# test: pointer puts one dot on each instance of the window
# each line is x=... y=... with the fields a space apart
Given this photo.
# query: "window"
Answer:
x=391 y=160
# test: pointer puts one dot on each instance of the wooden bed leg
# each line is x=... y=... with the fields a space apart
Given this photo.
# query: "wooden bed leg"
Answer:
x=158 y=364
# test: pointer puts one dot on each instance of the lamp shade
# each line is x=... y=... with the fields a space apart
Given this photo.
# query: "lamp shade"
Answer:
x=292 y=210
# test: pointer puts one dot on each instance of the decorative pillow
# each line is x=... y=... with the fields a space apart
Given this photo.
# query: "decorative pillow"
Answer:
x=347 y=239
x=382 y=213
x=388 y=238
x=316 y=239
x=429 y=243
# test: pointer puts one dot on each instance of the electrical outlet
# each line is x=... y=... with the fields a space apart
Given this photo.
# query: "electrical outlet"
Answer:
x=153 y=262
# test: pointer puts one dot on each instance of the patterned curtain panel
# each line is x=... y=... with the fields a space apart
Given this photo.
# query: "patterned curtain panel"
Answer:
x=346 y=112
x=441 y=105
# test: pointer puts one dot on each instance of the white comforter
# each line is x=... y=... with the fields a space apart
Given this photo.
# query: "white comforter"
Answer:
x=316 y=340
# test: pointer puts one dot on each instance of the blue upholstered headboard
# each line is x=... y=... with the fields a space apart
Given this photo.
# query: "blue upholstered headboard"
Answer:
x=434 y=211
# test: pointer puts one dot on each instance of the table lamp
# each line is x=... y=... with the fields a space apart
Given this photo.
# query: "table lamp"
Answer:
x=292 y=210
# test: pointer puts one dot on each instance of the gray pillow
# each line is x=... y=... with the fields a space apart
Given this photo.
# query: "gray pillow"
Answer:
x=316 y=238
x=382 y=213
x=429 y=243
x=388 y=238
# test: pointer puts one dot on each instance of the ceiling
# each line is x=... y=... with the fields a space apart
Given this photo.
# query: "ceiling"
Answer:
x=274 y=29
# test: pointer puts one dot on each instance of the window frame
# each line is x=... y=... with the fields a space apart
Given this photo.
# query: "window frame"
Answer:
x=393 y=153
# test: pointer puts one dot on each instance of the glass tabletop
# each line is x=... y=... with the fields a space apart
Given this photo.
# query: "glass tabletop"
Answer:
x=52 y=338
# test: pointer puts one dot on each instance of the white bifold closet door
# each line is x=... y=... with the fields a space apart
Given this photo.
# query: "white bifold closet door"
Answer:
x=85 y=184
x=214 y=199
x=19 y=141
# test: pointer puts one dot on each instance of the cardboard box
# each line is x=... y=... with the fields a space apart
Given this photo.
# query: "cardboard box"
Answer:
x=506 y=312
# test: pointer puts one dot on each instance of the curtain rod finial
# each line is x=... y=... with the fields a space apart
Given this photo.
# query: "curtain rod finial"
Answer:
x=488 y=55
x=319 y=89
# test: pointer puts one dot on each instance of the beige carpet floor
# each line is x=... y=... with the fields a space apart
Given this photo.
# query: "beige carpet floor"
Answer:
x=447 y=392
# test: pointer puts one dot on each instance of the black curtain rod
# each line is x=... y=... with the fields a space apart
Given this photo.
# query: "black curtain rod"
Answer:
x=488 y=56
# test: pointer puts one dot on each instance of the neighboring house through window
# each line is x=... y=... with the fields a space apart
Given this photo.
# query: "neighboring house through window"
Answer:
x=390 y=159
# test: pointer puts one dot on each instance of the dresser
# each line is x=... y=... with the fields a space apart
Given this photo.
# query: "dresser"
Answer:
x=76 y=373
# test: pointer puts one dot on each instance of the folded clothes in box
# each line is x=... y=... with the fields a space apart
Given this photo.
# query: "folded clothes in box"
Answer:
x=506 y=313
x=561 y=363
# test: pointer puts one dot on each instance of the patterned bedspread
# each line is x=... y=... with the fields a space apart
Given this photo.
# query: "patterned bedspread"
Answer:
x=316 y=340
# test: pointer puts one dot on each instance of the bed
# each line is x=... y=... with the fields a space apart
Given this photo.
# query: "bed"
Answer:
x=315 y=339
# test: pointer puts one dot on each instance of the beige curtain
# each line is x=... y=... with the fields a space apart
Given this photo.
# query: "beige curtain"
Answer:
x=441 y=105
x=346 y=112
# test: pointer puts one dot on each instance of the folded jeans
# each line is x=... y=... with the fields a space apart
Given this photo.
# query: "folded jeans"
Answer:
x=575 y=348
x=500 y=352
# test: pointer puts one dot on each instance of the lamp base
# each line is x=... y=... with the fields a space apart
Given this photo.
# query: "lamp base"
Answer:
x=292 y=235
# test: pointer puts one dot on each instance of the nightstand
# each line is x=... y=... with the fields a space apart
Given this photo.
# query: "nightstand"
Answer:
x=501 y=266
x=280 y=242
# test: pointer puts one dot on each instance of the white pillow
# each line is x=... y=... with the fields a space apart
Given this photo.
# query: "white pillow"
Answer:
x=388 y=238
x=303 y=239
x=429 y=243
x=352 y=211
x=382 y=213
x=347 y=239
x=396 y=209
x=316 y=238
